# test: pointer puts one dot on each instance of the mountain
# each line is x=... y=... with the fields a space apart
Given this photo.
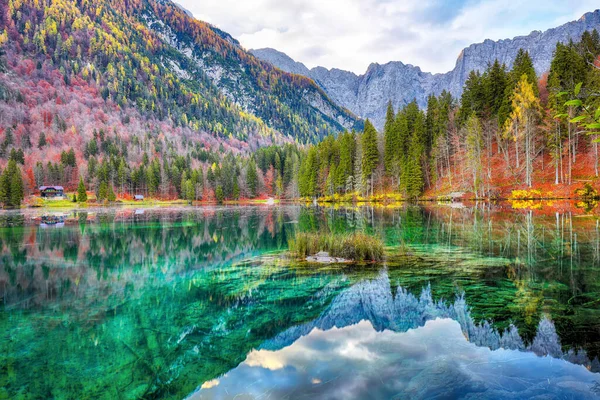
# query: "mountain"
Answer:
x=367 y=95
x=150 y=59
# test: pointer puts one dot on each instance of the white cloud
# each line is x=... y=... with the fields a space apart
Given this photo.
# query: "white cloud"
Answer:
x=351 y=34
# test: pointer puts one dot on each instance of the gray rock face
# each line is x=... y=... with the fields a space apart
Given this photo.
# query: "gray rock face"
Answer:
x=367 y=95
x=281 y=61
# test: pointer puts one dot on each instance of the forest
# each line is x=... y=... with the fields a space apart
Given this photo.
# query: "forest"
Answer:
x=510 y=130
x=85 y=105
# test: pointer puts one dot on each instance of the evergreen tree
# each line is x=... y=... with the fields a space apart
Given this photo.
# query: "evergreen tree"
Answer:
x=219 y=195
x=11 y=185
x=102 y=191
x=308 y=174
x=495 y=87
x=390 y=138
x=412 y=171
x=473 y=97
x=81 y=192
x=189 y=192
x=370 y=152
x=523 y=65
x=111 y=196
x=236 y=190
x=347 y=153
x=42 y=140
x=252 y=179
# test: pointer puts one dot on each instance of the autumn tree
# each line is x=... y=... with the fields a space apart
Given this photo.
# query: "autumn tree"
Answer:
x=522 y=122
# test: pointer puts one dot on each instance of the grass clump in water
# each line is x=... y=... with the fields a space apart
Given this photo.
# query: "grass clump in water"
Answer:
x=355 y=246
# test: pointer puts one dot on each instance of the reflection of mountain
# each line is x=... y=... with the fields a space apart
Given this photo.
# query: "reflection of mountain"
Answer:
x=372 y=300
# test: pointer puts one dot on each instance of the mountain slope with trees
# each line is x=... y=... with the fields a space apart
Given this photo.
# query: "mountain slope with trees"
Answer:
x=129 y=89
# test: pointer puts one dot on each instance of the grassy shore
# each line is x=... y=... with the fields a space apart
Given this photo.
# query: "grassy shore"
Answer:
x=38 y=202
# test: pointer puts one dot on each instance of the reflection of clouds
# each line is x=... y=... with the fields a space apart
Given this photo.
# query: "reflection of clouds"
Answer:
x=435 y=360
x=209 y=384
x=265 y=359
x=371 y=342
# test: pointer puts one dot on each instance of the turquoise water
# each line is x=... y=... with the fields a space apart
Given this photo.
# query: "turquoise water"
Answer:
x=203 y=302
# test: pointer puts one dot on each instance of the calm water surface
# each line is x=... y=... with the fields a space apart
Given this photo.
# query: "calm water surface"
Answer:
x=475 y=302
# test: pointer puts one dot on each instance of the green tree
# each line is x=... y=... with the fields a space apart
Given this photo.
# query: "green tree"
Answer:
x=252 y=179
x=413 y=171
x=190 y=192
x=81 y=191
x=42 y=140
x=11 y=185
x=102 y=191
x=308 y=174
x=111 y=196
x=236 y=190
x=347 y=153
x=391 y=146
x=370 y=152
x=219 y=195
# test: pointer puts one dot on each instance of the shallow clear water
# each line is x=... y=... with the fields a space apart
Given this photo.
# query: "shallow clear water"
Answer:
x=169 y=303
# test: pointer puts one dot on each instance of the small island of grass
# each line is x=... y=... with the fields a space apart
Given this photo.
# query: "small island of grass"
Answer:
x=329 y=247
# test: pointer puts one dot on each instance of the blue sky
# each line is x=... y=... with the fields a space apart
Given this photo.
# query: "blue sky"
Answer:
x=351 y=34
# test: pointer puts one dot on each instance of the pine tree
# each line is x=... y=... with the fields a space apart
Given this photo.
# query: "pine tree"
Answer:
x=111 y=196
x=390 y=138
x=189 y=191
x=370 y=152
x=495 y=87
x=308 y=184
x=236 y=190
x=81 y=192
x=4 y=188
x=523 y=65
x=347 y=153
x=219 y=195
x=412 y=171
x=252 y=179
x=42 y=140
x=11 y=185
x=102 y=191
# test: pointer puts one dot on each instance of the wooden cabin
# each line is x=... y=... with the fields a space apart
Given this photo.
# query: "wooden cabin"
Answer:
x=52 y=192
x=138 y=197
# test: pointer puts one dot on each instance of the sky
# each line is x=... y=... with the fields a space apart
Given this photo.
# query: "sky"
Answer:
x=351 y=34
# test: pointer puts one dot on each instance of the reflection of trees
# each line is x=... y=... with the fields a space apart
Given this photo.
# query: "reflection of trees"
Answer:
x=165 y=341
x=117 y=249
x=537 y=264
x=154 y=304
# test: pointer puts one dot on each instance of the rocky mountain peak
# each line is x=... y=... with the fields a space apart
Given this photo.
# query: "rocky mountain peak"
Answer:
x=367 y=95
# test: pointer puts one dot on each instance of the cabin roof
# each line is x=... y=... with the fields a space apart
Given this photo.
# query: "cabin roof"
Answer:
x=42 y=188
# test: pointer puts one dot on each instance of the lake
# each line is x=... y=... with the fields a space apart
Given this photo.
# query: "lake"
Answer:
x=472 y=302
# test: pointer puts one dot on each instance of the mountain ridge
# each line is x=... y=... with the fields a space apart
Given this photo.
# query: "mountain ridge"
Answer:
x=366 y=95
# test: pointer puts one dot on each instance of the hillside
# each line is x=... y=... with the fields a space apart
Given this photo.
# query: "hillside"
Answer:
x=367 y=95
x=140 y=82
